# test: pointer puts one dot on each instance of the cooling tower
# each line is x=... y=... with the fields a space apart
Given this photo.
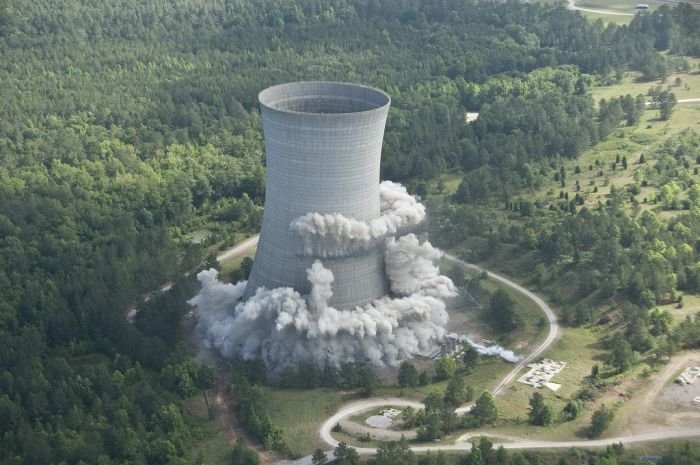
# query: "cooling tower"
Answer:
x=323 y=144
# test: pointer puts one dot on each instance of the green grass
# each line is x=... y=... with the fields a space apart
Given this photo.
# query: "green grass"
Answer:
x=210 y=441
x=629 y=142
x=484 y=377
x=691 y=306
x=631 y=85
x=615 y=19
x=577 y=347
x=616 y=6
x=620 y=6
x=228 y=267
x=299 y=413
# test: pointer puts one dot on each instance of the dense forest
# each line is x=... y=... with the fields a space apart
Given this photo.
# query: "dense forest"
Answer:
x=127 y=126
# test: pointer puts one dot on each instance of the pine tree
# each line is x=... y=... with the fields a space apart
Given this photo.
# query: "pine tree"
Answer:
x=484 y=409
x=540 y=414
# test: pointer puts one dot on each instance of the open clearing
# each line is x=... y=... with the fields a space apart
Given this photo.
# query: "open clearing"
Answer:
x=689 y=87
x=617 y=6
x=592 y=169
x=300 y=412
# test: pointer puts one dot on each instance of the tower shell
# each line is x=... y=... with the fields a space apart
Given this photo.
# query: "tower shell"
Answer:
x=323 y=144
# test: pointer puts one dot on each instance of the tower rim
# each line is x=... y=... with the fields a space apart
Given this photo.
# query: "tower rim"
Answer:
x=341 y=99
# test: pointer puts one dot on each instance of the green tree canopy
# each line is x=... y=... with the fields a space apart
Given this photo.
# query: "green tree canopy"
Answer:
x=539 y=414
x=484 y=409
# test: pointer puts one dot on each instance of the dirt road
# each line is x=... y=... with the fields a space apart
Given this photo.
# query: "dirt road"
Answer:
x=238 y=249
x=228 y=422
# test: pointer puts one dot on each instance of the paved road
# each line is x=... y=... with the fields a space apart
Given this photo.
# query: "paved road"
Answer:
x=683 y=100
x=572 y=6
x=551 y=317
x=238 y=249
x=514 y=442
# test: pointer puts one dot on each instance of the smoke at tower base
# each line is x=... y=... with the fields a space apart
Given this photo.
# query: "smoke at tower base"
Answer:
x=285 y=328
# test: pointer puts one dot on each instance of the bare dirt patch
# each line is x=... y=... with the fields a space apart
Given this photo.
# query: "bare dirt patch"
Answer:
x=669 y=403
x=680 y=397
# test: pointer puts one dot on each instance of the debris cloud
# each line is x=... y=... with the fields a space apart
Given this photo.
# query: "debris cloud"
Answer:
x=286 y=329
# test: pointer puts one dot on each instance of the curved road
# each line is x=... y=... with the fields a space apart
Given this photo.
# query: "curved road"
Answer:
x=572 y=6
x=551 y=317
x=513 y=442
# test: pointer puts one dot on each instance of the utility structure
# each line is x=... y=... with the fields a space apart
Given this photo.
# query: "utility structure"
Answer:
x=323 y=144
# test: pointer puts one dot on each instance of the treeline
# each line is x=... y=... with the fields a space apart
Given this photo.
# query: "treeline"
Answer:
x=617 y=251
x=349 y=375
x=674 y=29
x=55 y=409
x=483 y=452
x=251 y=412
x=515 y=139
x=126 y=126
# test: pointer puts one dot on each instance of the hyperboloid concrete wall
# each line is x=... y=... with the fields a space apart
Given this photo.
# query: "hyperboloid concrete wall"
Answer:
x=323 y=145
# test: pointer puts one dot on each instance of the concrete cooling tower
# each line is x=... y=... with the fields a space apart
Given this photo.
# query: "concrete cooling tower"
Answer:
x=337 y=276
x=323 y=143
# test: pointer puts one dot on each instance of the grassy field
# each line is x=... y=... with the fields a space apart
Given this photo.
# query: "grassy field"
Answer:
x=619 y=6
x=577 y=347
x=691 y=306
x=596 y=176
x=688 y=88
x=228 y=267
x=211 y=443
x=299 y=413
x=615 y=19
x=616 y=6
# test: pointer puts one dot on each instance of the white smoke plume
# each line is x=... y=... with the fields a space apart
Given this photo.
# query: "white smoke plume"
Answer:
x=496 y=350
x=335 y=235
x=410 y=267
x=286 y=328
